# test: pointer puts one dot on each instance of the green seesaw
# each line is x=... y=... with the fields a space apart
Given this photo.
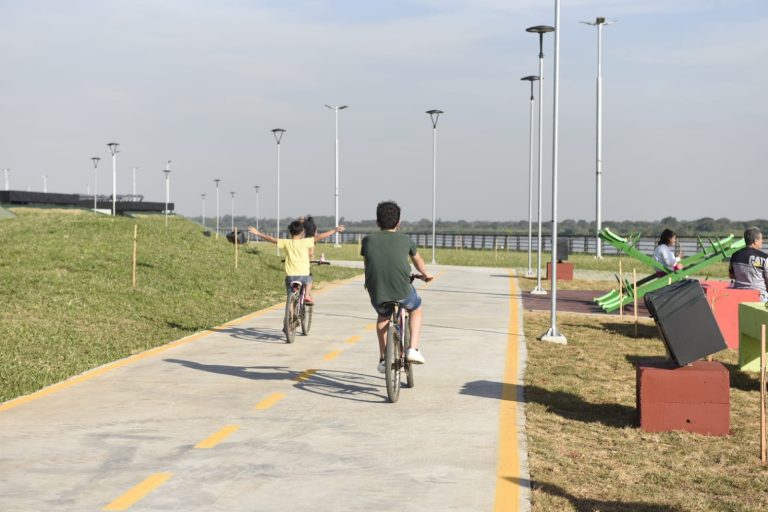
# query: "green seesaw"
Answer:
x=716 y=251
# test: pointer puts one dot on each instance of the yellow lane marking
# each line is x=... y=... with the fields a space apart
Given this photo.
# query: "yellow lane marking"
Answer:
x=353 y=339
x=370 y=327
x=332 y=355
x=305 y=375
x=508 y=471
x=269 y=401
x=218 y=437
x=125 y=501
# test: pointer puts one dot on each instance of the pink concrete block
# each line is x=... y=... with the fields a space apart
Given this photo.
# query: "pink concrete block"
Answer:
x=724 y=302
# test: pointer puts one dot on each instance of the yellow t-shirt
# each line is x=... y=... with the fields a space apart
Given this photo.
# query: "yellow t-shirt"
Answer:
x=296 y=255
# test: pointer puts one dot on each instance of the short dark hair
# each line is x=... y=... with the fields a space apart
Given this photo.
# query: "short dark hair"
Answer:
x=387 y=214
x=295 y=228
x=666 y=236
x=310 y=228
x=751 y=235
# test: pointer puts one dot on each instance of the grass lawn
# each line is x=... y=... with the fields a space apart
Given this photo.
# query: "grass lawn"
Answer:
x=68 y=304
x=586 y=451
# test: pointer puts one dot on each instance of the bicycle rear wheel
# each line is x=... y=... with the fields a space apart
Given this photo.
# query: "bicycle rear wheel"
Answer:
x=409 y=373
x=290 y=321
x=392 y=358
x=306 y=319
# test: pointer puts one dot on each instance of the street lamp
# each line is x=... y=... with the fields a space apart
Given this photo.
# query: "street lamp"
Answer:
x=278 y=133
x=167 y=172
x=531 y=79
x=257 y=209
x=134 y=183
x=45 y=183
x=202 y=196
x=113 y=149
x=95 y=161
x=434 y=115
x=599 y=22
x=233 y=212
x=217 y=181
x=336 y=186
x=553 y=335
x=6 y=171
x=541 y=30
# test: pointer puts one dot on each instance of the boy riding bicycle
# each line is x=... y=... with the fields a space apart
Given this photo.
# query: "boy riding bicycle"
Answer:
x=387 y=277
x=297 y=254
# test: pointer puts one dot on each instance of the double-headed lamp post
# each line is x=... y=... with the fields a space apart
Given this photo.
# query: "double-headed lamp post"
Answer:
x=217 y=181
x=257 y=187
x=553 y=335
x=336 y=109
x=95 y=161
x=531 y=79
x=113 y=149
x=278 y=133
x=599 y=22
x=167 y=172
x=434 y=115
x=202 y=196
x=540 y=30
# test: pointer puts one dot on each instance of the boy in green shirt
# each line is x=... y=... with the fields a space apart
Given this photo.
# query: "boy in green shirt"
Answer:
x=388 y=277
x=297 y=250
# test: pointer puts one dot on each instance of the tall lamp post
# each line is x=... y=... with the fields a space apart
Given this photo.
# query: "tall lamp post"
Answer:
x=531 y=79
x=6 y=171
x=202 y=196
x=541 y=30
x=95 y=161
x=233 y=212
x=599 y=22
x=553 y=335
x=113 y=149
x=167 y=172
x=336 y=109
x=217 y=181
x=134 y=183
x=45 y=183
x=434 y=115
x=278 y=133
x=257 y=208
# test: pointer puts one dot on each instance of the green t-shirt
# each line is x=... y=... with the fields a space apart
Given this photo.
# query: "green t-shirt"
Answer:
x=387 y=268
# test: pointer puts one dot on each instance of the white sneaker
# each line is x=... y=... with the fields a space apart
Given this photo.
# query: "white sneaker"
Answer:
x=414 y=356
x=382 y=366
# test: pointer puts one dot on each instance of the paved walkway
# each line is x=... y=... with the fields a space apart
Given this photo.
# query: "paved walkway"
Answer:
x=237 y=420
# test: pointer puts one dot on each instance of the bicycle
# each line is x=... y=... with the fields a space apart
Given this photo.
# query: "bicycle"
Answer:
x=398 y=344
x=297 y=312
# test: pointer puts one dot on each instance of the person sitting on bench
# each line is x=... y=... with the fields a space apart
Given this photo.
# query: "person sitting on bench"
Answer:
x=748 y=265
x=664 y=252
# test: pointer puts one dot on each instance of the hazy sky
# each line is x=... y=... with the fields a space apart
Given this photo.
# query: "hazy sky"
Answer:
x=202 y=83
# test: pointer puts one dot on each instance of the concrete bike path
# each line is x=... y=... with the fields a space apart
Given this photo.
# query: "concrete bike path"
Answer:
x=237 y=419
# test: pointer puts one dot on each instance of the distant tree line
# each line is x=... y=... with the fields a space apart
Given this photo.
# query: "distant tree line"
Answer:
x=706 y=226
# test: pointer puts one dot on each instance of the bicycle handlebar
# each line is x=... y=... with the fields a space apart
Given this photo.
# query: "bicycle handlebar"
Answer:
x=419 y=276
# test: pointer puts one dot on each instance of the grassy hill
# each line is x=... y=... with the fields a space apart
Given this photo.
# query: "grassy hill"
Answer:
x=67 y=304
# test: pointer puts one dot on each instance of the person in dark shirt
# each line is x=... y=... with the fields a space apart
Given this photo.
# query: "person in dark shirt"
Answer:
x=748 y=265
x=388 y=277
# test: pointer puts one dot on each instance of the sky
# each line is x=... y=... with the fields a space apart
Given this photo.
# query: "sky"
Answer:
x=202 y=83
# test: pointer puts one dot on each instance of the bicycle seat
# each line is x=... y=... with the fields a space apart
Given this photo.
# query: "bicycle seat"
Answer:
x=297 y=283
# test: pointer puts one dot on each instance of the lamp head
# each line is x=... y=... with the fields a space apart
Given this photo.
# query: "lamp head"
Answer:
x=434 y=115
x=95 y=161
x=540 y=29
x=113 y=147
x=217 y=180
x=257 y=188
x=278 y=133
x=530 y=78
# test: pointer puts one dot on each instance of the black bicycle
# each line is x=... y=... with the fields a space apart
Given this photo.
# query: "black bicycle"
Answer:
x=396 y=351
x=297 y=312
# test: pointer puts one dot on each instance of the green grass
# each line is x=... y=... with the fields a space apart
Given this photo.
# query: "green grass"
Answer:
x=68 y=304
x=515 y=259
x=586 y=451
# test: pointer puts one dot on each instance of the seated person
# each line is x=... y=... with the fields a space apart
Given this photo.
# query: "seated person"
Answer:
x=664 y=252
x=747 y=267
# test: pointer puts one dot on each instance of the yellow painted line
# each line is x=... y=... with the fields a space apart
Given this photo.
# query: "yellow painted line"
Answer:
x=332 y=355
x=127 y=500
x=269 y=401
x=305 y=375
x=353 y=339
x=218 y=437
x=508 y=471
x=370 y=327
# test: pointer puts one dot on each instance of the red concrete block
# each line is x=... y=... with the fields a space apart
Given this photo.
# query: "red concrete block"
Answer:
x=694 y=398
x=724 y=302
x=564 y=271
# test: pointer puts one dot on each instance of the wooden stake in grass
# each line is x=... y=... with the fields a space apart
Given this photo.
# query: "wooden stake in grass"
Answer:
x=135 y=237
x=621 y=293
x=235 y=247
x=762 y=396
x=634 y=294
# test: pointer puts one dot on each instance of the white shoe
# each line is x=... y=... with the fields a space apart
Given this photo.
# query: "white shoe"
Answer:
x=382 y=366
x=414 y=356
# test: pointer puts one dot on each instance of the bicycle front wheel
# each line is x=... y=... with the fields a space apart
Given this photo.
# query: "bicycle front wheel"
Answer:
x=392 y=357
x=306 y=319
x=289 y=322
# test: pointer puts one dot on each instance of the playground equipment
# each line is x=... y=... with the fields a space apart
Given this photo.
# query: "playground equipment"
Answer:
x=716 y=251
